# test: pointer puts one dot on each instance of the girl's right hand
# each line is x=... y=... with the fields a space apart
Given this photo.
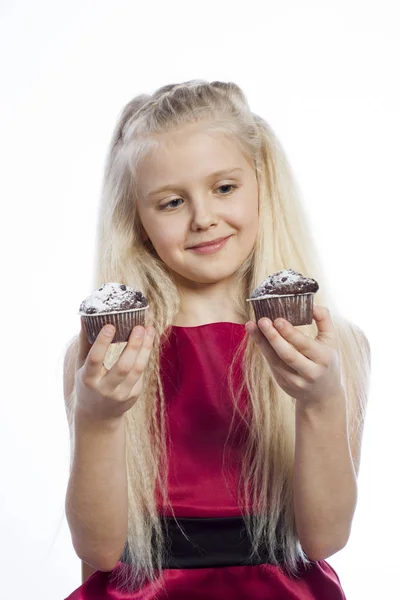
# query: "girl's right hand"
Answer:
x=105 y=394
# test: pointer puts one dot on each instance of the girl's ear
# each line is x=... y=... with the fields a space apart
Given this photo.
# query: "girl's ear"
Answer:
x=143 y=235
x=145 y=239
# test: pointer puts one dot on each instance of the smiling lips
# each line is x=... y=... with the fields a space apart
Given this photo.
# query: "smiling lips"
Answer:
x=209 y=247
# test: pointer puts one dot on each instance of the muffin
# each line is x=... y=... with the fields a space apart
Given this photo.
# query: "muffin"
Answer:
x=115 y=304
x=286 y=294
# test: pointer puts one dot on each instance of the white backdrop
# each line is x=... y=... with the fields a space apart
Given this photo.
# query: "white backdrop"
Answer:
x=325 y=76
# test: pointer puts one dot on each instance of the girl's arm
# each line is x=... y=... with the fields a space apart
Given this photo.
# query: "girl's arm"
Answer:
x=325 y=481
x=325 y=463
x=97 y=497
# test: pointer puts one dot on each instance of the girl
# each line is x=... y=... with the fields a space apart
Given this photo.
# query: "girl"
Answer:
x=212 y=456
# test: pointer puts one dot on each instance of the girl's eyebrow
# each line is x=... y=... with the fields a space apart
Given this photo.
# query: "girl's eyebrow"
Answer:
x=170 y=186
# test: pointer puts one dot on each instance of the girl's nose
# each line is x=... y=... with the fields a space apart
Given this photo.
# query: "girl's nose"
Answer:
x=203 y=215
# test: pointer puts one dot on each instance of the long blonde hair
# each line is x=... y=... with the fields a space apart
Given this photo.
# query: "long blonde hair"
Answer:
x=284 y=241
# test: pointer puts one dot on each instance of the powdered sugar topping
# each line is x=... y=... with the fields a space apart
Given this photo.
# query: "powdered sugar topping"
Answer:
x=113 y=296
x=286 y=281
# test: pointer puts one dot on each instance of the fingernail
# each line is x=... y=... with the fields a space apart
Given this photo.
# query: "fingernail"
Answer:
x=264 y=322
x=109 y=330
x=150 y=331
x=138 y=332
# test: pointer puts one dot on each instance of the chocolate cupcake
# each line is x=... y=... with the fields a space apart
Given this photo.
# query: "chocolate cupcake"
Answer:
x=115 y=304
x=286 y=294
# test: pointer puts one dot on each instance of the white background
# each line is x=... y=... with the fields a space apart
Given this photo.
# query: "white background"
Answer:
x=325 y=76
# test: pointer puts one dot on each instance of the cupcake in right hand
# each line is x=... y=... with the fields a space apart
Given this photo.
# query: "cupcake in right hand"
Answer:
x=286 y=294
x=115 y=304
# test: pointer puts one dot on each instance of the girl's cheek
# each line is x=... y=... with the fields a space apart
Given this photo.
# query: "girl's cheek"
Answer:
x=167 y=243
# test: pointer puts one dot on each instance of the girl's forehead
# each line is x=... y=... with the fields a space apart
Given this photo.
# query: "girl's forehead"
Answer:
x=193 y=155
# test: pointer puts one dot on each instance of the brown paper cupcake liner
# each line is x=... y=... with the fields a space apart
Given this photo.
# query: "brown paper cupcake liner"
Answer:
x=123 y=321
x=295 y=308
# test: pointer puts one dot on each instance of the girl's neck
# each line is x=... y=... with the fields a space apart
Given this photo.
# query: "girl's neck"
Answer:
x=208 y=304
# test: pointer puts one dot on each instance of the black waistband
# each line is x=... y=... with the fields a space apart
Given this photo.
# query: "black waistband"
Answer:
x=213 y=542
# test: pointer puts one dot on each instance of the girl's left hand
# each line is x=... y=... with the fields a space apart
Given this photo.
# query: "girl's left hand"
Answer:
x=306 y=369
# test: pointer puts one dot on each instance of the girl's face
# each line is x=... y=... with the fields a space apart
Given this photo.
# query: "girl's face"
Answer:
x=197 y=205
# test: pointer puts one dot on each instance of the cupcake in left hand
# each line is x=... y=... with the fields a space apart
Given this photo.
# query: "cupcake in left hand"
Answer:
x=115 y=304
x=286 y=294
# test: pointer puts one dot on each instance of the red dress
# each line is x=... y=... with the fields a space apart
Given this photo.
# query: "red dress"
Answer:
x=194 y=365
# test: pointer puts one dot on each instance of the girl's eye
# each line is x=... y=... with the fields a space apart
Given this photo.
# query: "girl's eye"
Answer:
x=170 y=202
x=227 y=185
x=170 y=205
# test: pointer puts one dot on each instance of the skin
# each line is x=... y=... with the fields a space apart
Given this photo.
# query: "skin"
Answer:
x=196 y=209
x=306 y=369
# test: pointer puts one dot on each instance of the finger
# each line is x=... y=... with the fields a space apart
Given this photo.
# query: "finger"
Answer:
x=266 y=348
x=123 y=367
x=292 y=357
x=307 y=346
x=97 y=352
x=140 y=363
x=323 y=319
x=83 y=348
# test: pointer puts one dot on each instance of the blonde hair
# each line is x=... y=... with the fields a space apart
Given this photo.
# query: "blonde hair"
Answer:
x=284 y=241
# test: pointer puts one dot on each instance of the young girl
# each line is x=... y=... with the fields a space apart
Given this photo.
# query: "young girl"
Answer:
x=212 y=456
